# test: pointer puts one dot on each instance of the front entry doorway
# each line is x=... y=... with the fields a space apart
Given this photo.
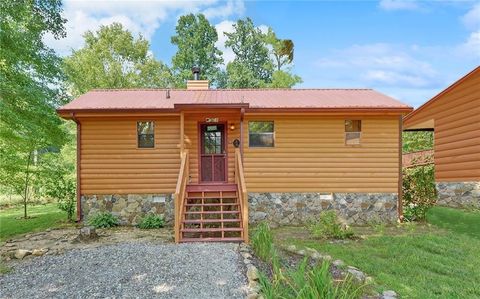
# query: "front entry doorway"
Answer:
x=213 y=153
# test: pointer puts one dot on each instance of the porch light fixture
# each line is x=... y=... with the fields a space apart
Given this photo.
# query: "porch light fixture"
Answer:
x=232 y=127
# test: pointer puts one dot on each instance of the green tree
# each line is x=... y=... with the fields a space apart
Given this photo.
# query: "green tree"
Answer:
x=284 y=79
x=252 y=59
x=57 y=176
x=113 y=58
x=282 y=51
x=240 y=76
x=195 y=39
x=29 y=72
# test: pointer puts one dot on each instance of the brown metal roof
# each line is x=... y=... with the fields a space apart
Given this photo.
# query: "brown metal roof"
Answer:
x=145 y=99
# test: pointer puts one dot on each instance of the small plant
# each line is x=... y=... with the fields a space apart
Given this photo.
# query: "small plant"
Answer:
x=262 y=242
x=103 y=220
x=328 y=226
x=4 y=269
x=151 y=221
x=378 y=226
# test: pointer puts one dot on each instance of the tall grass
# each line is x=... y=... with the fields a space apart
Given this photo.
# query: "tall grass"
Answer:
x=304 y=281
x=262 y=242
x=309 y=283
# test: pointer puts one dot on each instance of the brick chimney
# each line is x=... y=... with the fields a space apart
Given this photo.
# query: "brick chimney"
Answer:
x=196 y=83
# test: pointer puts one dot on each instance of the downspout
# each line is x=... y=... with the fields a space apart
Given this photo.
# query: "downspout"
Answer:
x=79 y=178
x=400 y=170
x=242 y=114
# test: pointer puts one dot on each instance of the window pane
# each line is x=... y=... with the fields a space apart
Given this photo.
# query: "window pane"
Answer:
x=261 y=140
x=261 y=134
x=260 y=127
x=352 y=137
x=145 y=127
x=353 y=125
x=145 y=132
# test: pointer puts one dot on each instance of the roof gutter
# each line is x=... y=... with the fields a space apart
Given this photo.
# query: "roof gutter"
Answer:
x=66 y=113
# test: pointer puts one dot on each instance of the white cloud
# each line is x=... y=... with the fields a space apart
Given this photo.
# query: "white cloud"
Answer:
x=225 y=26
x=381 y=64
x=471 y=46
x=225 y=10
x=471 y=19
x=398 y=4
x=143 y=17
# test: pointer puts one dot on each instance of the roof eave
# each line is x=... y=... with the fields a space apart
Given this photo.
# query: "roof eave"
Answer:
x=407 y=120
x=67 y=113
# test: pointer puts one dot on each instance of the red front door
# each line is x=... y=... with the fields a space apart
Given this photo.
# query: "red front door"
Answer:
x=213 y=154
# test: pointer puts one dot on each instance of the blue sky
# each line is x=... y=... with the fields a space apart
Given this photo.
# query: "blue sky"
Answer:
x=410 y=50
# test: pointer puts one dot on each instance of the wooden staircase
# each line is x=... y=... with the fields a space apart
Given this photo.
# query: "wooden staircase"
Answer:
x=211 y=214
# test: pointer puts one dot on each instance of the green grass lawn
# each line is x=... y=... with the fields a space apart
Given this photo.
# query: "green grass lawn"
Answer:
x=465 y=222
x=43 y=217
x=415 y=260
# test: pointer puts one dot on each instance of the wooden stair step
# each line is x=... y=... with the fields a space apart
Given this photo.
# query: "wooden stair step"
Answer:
x=212 y=212
x=212 y=239
x=193 y=221
x=211 y=230
x=211 y=204
x=211 y=187
x=211 y=197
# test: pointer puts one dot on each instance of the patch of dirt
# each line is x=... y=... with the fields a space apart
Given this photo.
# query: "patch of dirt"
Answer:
x=57 y=241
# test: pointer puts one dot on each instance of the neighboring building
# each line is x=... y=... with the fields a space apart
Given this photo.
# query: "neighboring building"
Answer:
x=419 y=158
x=199 y=155
x=454 y=116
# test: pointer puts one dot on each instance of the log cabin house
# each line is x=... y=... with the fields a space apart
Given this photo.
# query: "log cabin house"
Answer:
x=212 y=160
x=454 y=116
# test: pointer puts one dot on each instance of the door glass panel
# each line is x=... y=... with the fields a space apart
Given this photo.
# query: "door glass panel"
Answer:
x=212 y=140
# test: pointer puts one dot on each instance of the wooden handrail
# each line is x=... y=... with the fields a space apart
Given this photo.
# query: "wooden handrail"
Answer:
x=179 y=196
x=242 y=192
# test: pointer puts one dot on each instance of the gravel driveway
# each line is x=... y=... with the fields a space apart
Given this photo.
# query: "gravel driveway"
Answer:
x=131 y=270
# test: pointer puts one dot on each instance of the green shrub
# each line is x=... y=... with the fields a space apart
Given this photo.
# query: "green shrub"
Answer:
x=417 y=141
x=103 y=220
x=419 y=192
x=328 y=226
x=308 y=282
x=151 y=221
x=262 y=242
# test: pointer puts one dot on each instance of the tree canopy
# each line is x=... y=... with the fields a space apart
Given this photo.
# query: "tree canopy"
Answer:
x=195 y=39
x=251 y=54
x=261 y=59
x=30 y=74
x=113 y=58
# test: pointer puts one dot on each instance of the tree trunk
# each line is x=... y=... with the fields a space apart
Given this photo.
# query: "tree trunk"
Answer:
x=25 y=190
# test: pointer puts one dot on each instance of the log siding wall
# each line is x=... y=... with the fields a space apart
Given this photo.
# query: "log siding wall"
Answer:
x=310 y=154
x=111 y=163
x=456 y=115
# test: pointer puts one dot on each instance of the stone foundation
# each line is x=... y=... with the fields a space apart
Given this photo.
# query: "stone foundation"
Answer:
x=458 y=194
x=298 y=208
x=129 y=208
